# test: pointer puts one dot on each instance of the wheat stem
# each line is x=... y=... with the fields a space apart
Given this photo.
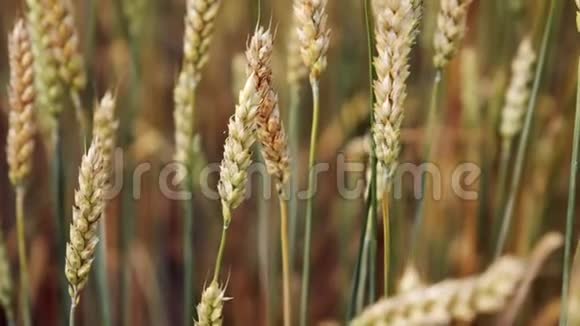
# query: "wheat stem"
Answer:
x=285 y=260
x=386 y=242
x=428 y=149
x=24 y=303
x=220 y=253
x=71 y=315
x=506 y=148
x=81 y=118
x=524 y=138
x=309 y=202
x=571 y=211
x=294 y=135
x=58 y=185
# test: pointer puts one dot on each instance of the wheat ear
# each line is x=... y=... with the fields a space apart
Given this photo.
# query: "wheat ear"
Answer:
x=313 y=34
x=270 y=128
x=46 y=67
x=199 y=26
x=296 y=70
x=237 y=149
x=451 y=26
x=20 y=142
x=210 y=309
x=87 y=210
x=395 y=32
x=105 y=126
x=518 y=92
x=22 y=125
x=442 y=303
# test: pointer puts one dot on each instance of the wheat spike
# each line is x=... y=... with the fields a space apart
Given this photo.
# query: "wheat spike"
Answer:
x=48 y=83
x=442 y=303
x=87 y=210
x=270 y=129
x=395 y=33
x=210 y=309
x=296 y=70
x=237 y=149
x=105 y=126
x=451 y=26
x=183 y=115
x=66 y=43
x=518 y=91
x=313 y=34
x=199 y=26
x=22 y=124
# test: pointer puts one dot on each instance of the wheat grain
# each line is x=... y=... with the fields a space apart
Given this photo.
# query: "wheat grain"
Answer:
x=313 y=34
x=460 y=300
x=199 y=27
x=105 y=126
x=395 y=32
x=451 y=26
x=48 y=83
x=518 y=92
x=237 y=149
x=210 y=309
x=87 y=210
x=270 y=129
x=22 y=124
x=63 y=31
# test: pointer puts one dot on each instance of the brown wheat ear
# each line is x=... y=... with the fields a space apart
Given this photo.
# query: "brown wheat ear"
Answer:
x=22 y=125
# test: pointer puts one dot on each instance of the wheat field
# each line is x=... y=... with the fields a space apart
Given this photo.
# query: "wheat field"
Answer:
x=289 y=162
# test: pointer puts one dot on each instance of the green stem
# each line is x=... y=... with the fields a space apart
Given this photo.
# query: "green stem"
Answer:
x=428 y=149
x=309 y=203
x=82 y=119
x=571 y=212
x=102 y=273
x=364 y=265
x=294 y=149
x=24 y=303
x=220 y=254
x=525 y=136
x=58 y=185
x=506 y=149
x=285 y=262
x=71 y=316
x=387 y=261
x=188 y=259
x=128 y=210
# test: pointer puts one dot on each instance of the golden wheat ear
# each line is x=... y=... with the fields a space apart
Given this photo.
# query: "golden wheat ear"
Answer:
x=451 y=26
x=87 y=211
x=313 y=34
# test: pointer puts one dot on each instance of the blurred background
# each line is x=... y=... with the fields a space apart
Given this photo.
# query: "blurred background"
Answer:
x=135 y=47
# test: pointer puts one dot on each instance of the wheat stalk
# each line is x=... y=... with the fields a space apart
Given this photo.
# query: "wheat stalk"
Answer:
x=451 y=26
x=460 y=299
x=313 y=34
x=87 y=210
x=6 y=288
x=20 y=140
